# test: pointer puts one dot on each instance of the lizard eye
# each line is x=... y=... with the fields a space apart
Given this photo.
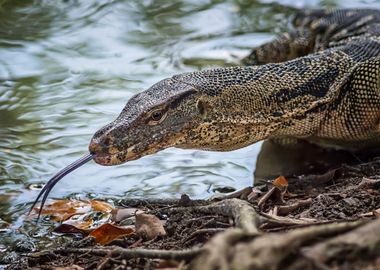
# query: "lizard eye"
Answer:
x=156 y=116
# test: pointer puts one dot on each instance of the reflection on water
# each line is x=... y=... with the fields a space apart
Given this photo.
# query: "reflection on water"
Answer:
x=68 y=67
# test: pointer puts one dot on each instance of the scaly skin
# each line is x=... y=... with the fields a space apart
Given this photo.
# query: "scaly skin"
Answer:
x=320 y=83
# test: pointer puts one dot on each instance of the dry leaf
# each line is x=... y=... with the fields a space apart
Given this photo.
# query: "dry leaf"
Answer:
x=148 y=226
x=281 y=182
x=123 y=213
x=326 y=177
x=106 y=233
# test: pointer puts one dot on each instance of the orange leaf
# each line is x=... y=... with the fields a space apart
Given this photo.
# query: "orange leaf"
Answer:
x=280 y=182
x=106 y=233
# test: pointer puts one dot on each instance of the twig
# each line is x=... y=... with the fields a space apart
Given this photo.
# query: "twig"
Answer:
x=285 y=221
x=239 y=194
x=286 y=209
x=202 y=231
x=368 y=183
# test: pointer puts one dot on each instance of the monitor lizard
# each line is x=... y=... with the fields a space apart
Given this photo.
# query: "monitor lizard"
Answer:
x=320 y=82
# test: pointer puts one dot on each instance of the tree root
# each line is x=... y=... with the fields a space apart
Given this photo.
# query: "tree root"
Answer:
x=263 y=252
x=244 y=215
x=123 y=253
x=218 y=250
x=363 y=242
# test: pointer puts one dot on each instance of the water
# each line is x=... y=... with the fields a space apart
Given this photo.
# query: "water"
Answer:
x=68 y=67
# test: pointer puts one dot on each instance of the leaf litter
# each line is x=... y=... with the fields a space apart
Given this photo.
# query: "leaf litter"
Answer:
x=341 y=194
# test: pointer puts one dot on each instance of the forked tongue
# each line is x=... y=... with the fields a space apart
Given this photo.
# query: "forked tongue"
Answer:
x=55 y=179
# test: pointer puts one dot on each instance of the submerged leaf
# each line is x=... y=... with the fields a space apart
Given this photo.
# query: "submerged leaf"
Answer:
x=62 y=210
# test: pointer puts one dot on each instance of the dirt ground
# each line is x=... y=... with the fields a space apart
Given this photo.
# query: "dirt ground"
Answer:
x=314 y=222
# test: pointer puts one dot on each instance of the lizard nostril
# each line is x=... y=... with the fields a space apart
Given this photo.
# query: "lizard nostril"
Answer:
x=99 y=145
x=106 y=141
x=94 y=147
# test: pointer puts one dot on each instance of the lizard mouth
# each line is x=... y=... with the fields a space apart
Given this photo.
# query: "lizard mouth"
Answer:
x=111 y=159
x=108 y=159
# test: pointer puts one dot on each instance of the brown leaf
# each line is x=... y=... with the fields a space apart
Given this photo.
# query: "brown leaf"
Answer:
x=69 y=228
x=326 y=177
x=148 y=226
x=106 y=233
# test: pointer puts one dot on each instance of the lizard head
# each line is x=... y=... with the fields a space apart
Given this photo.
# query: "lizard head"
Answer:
x=160 y=117
x=196 y=110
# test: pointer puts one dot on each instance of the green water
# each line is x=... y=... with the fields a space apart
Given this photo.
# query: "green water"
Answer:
x=68 y=67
